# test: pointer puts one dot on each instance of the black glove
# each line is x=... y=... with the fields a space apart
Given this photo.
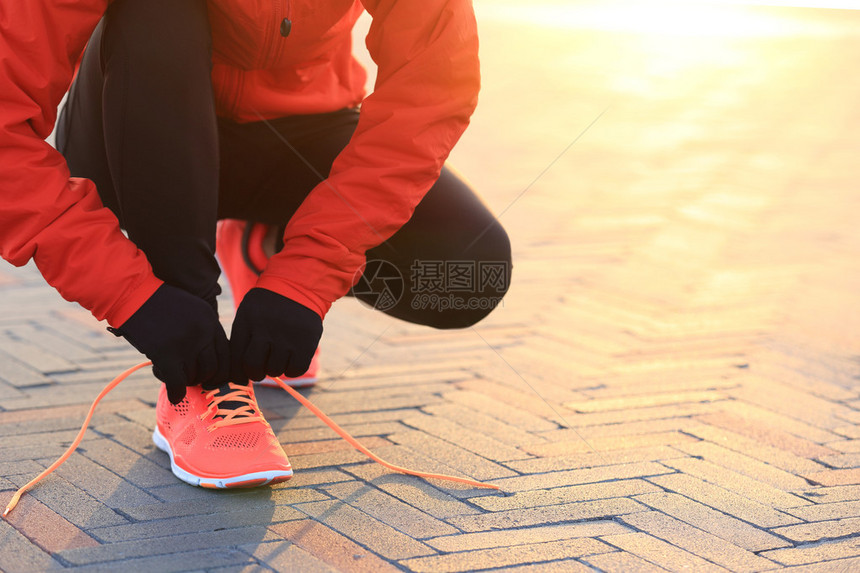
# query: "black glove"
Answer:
x=272 y=335
x=181 y=335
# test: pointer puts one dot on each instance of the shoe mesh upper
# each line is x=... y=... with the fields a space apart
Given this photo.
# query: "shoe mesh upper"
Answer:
x=240 y=441
x=188 y=436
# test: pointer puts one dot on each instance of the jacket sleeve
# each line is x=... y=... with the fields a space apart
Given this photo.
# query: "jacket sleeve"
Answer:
x=426 y=90
x=57 y=221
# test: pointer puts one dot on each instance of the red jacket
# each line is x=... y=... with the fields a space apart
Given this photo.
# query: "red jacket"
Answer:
x=426 y=90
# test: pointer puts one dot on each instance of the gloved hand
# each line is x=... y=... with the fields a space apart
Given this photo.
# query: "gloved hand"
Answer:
x=272 y=336
x=181 y=335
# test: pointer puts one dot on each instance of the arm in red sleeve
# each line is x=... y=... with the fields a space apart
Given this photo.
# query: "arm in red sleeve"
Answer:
x=45 y=215
x=426 y=90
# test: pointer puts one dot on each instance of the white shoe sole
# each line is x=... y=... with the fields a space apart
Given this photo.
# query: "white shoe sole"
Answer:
x=252 y=479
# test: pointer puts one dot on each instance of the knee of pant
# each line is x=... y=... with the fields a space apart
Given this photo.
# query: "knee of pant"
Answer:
x=492 y=279
x=165 y=35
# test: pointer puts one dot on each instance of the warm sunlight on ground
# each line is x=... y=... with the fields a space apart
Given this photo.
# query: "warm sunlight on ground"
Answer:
x=729 y=18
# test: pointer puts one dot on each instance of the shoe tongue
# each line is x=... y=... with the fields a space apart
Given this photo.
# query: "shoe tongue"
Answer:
x=223 y=390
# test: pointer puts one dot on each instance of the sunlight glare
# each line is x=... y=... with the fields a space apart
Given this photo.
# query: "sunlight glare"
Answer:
x=726 y=18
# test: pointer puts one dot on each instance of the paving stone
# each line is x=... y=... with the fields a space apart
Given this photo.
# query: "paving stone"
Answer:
x=325 y=446
x=258 y=500
x=19 y=375
x=820 y=530
x=24 y=467
x=389 y=510
x=102 y=483
x=528 y=516
x=633 y=402
x=76 y=412
x=836 y=477
x=52 y=425
x=599 y=444
x=499 y=410
x=72 y=503
x=712 y=521
x=365 y=529
x=497 y=429
x=595 y=459
x=696 y=541
x=332 y=547
x=763 y=515
x=34 y=440
x=791 y=402
x=333 y=403
x=852 y=432
x=846 y=446
x=510 y=537
x=299 y=421
x=476 y=442
x=718 y=462
x=758 y=432
x=844 y=461
x=501 y=556
x=53 y=341
x=216 y=559
x=44 y=527
x=623 y=429
x=307 y=478
x=656 y=550
x=834 y=566
x=195 y=523
x=642 y=414
x=19 y=555
x=581 y=476
x=296 y=436
x=566 y=494
x=817 y=552
x=334 y=459
x=414 y=491
x=560 y=566
x=774 y=456
x=7 y=391
x=135 y=469
x=737 y=482
x=761 y=415
x=621 y=561
x=38 y=358
x=833 y=494
x=286 y=556
x=826 y=511
x=526 y=397
x=466 y=462
x=407 y=458
x=167 y=545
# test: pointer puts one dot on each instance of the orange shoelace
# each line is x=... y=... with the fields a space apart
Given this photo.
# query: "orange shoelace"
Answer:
x=230 y=417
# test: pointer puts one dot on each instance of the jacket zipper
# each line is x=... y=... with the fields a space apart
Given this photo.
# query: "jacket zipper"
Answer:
x=281 y=9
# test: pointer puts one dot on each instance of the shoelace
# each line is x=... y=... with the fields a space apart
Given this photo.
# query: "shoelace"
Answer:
x=230 y=417
x=233 y=415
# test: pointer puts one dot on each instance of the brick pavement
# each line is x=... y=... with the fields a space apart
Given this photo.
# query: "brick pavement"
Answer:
x=672 y=382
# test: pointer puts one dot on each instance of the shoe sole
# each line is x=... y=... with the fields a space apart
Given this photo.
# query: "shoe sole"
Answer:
x=253 y=479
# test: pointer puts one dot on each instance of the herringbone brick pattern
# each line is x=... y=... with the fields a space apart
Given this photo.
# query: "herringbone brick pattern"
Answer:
x=672 y=382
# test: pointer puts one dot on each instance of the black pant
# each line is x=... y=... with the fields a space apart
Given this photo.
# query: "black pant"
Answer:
x=140 y=122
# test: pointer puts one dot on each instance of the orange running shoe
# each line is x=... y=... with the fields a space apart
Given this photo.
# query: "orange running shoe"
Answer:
x=219 y=439
x=239 y=246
